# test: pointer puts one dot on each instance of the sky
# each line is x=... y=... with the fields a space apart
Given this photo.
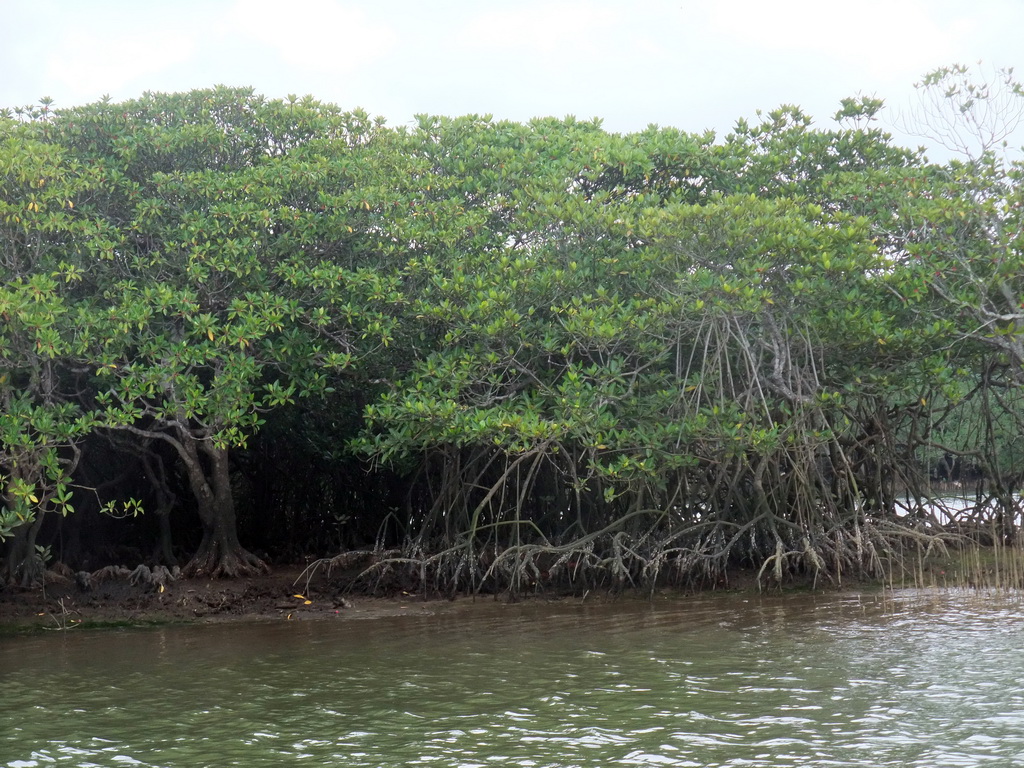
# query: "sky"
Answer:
x=692 y=65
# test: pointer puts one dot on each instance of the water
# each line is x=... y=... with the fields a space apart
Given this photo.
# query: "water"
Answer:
x=920 y=679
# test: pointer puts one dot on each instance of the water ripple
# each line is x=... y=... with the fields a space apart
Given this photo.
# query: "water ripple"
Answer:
x=919 y=679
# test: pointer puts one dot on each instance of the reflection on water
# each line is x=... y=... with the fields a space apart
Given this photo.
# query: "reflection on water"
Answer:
x=921 y=679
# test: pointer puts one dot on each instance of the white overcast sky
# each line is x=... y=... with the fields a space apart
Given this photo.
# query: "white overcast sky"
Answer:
x=693 y=65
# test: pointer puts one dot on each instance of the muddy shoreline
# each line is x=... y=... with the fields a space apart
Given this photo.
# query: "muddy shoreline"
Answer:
x=284 y=594
x=299 y=593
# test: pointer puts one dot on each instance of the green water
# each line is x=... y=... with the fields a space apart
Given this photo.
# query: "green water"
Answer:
x=808 y=680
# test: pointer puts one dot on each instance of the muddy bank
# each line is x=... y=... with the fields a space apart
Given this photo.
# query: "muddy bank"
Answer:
x=284 y=594
x=297 y=593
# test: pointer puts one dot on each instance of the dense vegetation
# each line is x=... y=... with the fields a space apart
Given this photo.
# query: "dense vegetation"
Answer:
x=498 y=355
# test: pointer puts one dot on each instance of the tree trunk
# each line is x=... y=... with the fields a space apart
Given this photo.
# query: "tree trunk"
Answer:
x=220 y=553
x=163 y=552
x=166 y=500
x=21 y=563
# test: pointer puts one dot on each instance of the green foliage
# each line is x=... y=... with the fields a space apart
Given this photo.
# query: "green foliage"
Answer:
x=643 y=352
x=39 y=425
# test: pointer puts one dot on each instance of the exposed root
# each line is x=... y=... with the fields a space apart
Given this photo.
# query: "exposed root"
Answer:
x=54 y=577
x=225 y=565
x=696 y=557
x=62 y=569
x=109 y=572
x=31 y=571
x=157 y=578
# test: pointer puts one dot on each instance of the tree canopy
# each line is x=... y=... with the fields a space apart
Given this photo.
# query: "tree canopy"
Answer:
x=504 y=353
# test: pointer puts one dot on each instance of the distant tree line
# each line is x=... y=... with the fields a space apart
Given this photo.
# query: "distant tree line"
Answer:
x=496 y=354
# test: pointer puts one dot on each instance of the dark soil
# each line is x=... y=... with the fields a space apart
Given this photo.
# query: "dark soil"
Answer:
x=285 y=593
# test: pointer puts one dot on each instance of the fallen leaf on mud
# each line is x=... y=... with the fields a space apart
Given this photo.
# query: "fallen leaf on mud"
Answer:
x=301 y=597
